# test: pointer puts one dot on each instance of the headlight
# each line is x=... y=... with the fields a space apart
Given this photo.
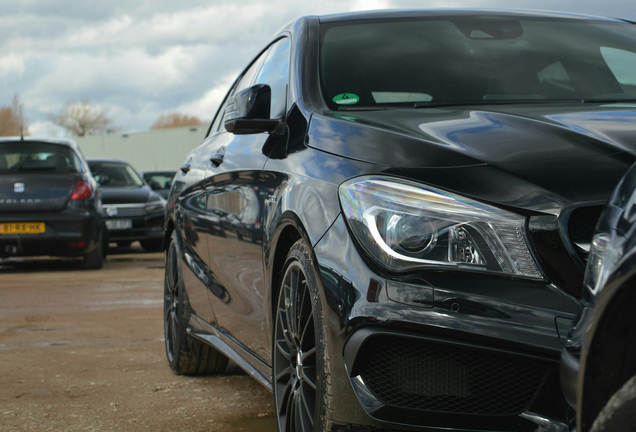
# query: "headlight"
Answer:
x=404 y=225
x=155 y=206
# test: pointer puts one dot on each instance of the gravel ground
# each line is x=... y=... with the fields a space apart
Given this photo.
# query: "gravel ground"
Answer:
x=83 y=351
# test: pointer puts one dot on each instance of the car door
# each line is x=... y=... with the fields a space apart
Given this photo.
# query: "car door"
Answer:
x=193 y=227
x=236 y=195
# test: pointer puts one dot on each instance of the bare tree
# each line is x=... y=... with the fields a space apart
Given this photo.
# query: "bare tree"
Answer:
x=12 y=120
x=174 y=120
x=82 y=118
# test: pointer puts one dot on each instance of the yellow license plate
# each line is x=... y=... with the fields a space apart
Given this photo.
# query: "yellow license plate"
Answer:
x=22 y=228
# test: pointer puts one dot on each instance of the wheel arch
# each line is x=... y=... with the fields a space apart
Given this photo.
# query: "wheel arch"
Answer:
x=611 y=358
x=289 y=231
x=168 y=232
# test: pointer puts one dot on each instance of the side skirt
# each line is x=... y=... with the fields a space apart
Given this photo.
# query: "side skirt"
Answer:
x=203 y=331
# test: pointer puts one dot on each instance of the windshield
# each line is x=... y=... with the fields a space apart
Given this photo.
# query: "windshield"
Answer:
x=37 y=157
x=114 y=174
x=483 y=59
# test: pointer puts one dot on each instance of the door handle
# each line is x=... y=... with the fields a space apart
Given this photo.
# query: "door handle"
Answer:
x=217 y=158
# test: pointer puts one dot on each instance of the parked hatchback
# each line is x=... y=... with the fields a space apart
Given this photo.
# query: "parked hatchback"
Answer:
x=132 y=211
x=49 y=202
x=427 y=185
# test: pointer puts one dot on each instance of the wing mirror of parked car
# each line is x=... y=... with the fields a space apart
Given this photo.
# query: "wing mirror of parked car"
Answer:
x=248 y=112
x=154 y=185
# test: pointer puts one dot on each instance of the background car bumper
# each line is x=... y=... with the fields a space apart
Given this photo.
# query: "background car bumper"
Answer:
x=143 y=228
x=66 y=234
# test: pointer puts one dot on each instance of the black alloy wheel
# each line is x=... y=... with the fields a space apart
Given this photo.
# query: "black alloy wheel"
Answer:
x=301 y=391
x=186 y=355
x=620 y=412
x=171 y=303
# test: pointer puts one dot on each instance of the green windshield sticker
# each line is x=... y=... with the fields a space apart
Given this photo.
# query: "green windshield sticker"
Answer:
x=346 y=99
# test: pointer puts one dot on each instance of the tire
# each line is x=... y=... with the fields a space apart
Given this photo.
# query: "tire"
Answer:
x=94 y=260
x=154 y=245
x=186 y=355
x=302 y=379
x=123 y=244
x=620 y=412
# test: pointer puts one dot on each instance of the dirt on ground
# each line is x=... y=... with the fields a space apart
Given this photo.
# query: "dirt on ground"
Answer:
x=84 y=351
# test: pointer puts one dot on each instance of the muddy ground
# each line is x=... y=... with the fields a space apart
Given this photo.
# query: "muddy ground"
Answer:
x=83 y=351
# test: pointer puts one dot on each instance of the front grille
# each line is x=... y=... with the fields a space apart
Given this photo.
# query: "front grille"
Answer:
x=127 y=210
x=580 y=228
x=439 y=377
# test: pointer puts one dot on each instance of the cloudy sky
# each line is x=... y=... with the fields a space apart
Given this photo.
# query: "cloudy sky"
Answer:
x=140 y=59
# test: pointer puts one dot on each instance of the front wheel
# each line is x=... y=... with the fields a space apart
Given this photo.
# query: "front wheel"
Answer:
x=620 y=412
x=302 y=386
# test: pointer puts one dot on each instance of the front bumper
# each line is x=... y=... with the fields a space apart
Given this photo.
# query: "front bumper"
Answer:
x=145 y=227
x=440 y=349
x=569 y=371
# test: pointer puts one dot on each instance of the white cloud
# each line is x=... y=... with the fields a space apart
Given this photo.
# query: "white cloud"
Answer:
x=12 y=64
x=45 y=129
x=207 y=105
x=148 y=57
x=361 y=5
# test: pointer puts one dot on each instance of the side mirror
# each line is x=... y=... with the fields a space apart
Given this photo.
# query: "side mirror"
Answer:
x=248 y=112
x=154 y=185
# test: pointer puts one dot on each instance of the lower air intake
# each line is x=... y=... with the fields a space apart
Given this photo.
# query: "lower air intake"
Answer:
x=438 y=377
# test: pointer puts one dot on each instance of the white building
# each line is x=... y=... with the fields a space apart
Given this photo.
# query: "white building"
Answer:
x=160 y=149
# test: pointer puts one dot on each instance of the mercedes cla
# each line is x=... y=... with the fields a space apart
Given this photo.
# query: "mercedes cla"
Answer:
x=426 y=186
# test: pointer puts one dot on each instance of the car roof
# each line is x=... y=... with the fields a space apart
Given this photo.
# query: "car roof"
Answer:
x=423 y=13
x=108 y=160
x=60 y=141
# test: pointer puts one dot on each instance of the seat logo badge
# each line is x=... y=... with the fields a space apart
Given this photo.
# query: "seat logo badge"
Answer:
x=18 y=187
x=111 y=211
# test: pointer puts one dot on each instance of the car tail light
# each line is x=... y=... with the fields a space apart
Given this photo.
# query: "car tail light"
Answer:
x=76 y=245
x=82 y=191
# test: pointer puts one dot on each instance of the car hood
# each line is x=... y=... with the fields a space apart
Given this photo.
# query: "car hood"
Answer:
x=547 y=156
x=135 y=195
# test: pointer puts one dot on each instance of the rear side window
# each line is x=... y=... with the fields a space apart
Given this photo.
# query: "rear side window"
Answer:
x=38 y=157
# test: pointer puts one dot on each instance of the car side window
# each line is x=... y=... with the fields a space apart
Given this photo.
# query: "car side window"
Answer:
x=275 y=73
x=243 y=82
x=271 y=68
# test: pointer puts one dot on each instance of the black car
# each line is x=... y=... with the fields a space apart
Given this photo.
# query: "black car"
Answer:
x=429 y=184
x=132 y=211
x=49 y=202
x=159 y=181
x=599 y=358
